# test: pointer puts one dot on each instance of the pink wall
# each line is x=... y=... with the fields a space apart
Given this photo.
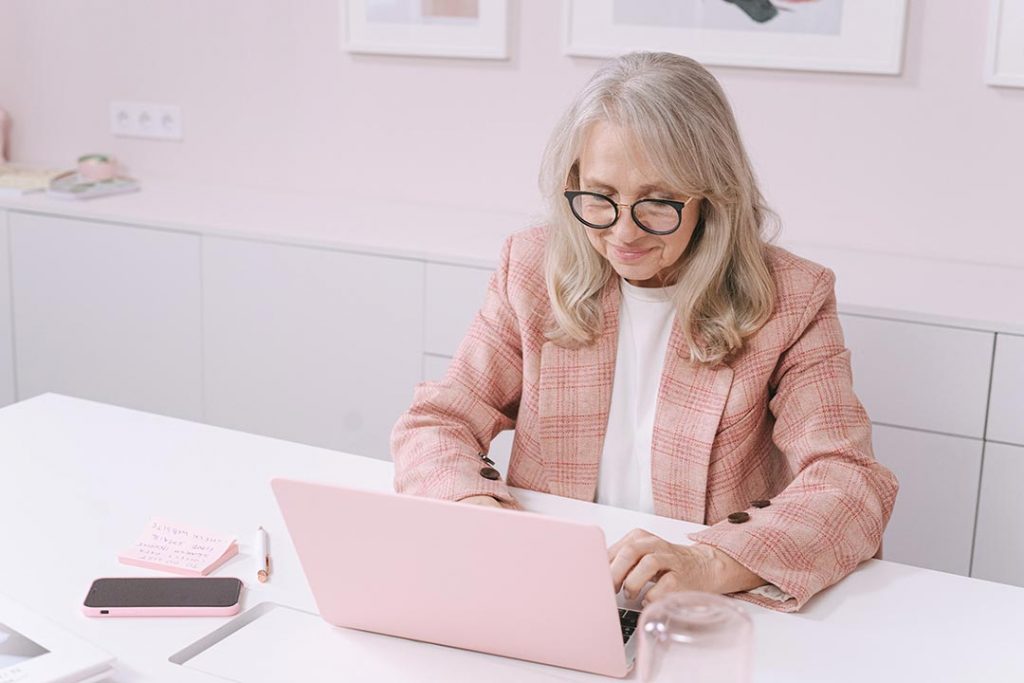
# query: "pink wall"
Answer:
x=929 y=162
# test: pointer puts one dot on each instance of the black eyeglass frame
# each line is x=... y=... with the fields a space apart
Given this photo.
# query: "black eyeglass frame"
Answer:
x=570 y=195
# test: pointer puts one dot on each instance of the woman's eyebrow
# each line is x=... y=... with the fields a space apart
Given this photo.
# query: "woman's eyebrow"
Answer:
x=590 y=182
x=594 y=183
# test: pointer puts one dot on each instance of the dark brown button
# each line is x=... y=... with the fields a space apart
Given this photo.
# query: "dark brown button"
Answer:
x=738 y=517
x=761 y=503
x=483 y=456
x=489 y=473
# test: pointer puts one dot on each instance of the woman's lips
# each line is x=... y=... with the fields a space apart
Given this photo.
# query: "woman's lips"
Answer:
x=629 y=254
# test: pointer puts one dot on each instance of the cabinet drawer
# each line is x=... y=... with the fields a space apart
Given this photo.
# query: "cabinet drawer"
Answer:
x=107 y=312
x=932 y=524
x=921 y=376
x=999 y=545
x=434 y=368
x=1006 y=408
x=453 y=297
x=300 y=347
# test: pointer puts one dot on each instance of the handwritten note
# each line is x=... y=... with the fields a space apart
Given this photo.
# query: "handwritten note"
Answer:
x=179 y=549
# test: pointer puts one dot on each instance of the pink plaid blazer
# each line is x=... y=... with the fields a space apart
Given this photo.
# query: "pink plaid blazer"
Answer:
x=778 y=421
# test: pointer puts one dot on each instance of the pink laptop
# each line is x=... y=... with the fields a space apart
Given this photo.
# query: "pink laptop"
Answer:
x=510 y=583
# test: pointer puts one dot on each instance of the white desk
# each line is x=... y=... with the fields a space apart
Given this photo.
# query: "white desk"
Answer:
x=78 y=480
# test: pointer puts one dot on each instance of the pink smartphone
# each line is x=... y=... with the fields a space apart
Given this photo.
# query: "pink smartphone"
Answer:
x=203 y=596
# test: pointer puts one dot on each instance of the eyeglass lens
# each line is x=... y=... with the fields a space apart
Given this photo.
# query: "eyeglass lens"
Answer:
x=650 y=213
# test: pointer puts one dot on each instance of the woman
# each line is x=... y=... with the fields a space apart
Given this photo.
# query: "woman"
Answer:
x=652 y=351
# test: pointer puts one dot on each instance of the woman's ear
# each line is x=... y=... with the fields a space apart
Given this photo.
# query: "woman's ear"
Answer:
x=572 y=180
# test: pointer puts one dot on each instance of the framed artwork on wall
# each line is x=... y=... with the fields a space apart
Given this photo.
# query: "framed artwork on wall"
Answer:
x=1004 y=58
x=863 y=36
x=430 y=28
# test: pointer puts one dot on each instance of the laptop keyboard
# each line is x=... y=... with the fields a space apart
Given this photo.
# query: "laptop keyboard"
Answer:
x=628 y=619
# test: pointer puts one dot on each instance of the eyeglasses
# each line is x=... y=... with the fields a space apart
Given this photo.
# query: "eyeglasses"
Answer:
x=656 y=216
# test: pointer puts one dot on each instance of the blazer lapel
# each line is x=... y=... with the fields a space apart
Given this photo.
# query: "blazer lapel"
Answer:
x=690 y=403
x=574 y=398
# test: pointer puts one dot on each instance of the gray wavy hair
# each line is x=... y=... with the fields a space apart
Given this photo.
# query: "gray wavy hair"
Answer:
x=681 y=121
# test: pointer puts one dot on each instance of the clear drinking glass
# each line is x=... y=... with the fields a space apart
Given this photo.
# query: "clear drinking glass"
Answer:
x=692 y=637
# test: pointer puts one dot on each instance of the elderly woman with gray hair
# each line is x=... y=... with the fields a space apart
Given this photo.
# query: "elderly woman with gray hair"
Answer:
x=652 y=350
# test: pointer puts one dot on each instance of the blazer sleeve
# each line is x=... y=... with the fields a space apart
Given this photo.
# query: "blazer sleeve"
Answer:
x=832 y=514
x=436 y=444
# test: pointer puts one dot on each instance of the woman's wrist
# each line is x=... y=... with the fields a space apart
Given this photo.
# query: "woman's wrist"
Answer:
x=726 y=574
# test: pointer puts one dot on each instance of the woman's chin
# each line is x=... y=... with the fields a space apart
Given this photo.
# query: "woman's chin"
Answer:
x=632 y=272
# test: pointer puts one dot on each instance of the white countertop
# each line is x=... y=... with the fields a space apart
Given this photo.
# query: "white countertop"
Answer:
x=971 y=295
x=976 y=296
x=80 y=479
x=433 y=232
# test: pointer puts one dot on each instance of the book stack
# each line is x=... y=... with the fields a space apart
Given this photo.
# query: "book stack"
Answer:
x=72 y=185
x=20 y=180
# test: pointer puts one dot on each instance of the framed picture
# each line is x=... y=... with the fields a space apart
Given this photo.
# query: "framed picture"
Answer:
x=1004 y=58
x=863 y=36
x=432 y=28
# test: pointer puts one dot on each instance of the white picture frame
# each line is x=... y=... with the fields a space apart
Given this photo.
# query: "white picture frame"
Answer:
x=407 y=31
x=868 y=37
x=1004 y=54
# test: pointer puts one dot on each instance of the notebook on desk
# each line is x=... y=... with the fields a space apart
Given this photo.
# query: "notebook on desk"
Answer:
x=179 y=549
x=504 y=582
x=35 y=650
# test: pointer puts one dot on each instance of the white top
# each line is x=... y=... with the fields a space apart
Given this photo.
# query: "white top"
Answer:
x=646 y=315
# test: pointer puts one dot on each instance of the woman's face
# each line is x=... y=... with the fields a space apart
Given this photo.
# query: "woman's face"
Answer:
x=609 y=165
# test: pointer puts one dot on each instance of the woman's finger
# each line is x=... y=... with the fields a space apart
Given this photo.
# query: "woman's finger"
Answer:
x=629 y=553
x=623 y=562
x=630 y=537
x=647 y=569
x=668 y=583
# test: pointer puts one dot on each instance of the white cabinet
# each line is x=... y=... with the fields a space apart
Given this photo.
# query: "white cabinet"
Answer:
x=453 y=296
x=1006 y=407
x=500 y=451
x=107 y=312
x=6 y=334
x=921 y=376
x=310 y=345
x=999 y=544
x=933 y=522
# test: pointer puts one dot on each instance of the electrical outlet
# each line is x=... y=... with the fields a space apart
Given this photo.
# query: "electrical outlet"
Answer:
x=146 y=120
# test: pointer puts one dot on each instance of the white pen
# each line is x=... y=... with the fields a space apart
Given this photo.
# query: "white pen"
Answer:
x=262 y=558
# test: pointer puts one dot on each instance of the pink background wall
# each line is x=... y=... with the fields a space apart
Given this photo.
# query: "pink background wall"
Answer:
x=926 y=163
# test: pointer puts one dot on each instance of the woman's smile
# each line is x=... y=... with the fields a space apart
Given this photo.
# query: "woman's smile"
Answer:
x=629 y=254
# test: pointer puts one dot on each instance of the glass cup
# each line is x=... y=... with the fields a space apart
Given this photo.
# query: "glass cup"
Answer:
x=692 y=637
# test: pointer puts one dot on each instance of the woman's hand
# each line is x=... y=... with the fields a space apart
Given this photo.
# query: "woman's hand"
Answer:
x=486 y=501
x=640 y=556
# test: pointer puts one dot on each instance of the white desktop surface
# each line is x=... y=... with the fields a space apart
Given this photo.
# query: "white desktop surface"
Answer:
x=78 y=481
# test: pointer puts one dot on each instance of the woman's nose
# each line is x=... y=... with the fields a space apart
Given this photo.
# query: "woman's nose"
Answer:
x=625 y=228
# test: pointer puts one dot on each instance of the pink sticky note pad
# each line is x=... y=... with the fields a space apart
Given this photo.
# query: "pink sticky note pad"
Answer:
x=179 y=549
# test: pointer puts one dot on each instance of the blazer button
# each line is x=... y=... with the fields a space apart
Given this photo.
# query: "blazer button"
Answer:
x=761 y=503
x=489 y=473
x=738 y=517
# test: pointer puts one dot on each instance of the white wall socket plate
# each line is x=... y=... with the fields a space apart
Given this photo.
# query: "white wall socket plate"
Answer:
x=146 y=120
